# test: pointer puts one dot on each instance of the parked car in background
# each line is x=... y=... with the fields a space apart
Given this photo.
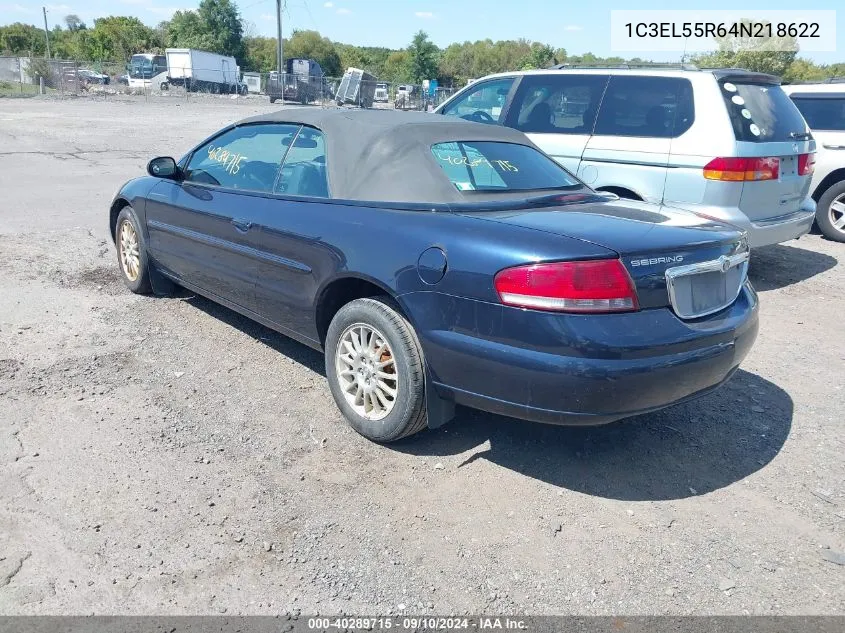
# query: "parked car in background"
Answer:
x=498 y=280
x=728 y=143
x=823 y=107
x=123 y=79
x=91 y=77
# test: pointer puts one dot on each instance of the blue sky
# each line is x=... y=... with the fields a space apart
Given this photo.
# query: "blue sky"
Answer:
x=578 y=27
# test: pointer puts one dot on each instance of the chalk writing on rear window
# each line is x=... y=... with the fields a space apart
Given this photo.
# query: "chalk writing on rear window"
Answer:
x=498 y=166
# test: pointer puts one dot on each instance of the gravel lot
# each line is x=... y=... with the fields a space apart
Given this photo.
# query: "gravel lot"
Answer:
x=165 y=455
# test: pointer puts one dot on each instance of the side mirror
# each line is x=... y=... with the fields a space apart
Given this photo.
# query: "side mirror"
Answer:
x=163 y=167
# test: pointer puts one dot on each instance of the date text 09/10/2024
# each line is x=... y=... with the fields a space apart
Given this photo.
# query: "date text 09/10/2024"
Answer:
x=416 y=623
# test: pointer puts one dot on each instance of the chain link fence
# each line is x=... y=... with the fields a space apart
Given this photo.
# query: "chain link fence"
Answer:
x=24 y=76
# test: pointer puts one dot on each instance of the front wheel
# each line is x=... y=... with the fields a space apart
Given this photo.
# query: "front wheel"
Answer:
x=132 y=252
x=830 y=212
x=375 y=371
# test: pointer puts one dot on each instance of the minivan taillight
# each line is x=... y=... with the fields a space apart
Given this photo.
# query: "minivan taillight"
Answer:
x=589 y=286
x=736 y=169
x=806 y=164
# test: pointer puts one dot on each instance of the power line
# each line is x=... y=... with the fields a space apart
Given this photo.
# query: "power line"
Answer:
x=255 y=4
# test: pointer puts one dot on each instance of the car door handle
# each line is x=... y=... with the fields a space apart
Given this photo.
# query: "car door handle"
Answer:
x=826 y=146
x=242 y=225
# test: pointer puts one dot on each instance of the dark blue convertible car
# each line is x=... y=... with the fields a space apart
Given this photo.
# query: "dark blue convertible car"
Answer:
x=440 y=262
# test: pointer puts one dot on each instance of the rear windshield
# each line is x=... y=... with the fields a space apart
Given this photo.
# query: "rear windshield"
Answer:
x=761 y=113
x=823 y=112
x=493 y=166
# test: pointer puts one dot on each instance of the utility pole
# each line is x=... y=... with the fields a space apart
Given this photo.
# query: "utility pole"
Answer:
x=46 y=32
x=279 y=7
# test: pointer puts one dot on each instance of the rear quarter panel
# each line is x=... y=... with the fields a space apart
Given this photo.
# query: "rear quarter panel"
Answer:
x=383 y=245
x=710 y=135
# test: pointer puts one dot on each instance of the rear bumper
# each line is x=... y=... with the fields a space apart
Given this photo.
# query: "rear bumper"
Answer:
x=578 y=369
x=764 y=232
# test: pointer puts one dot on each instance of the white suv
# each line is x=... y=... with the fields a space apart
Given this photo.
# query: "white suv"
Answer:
x=724 y=143
x=823 y=106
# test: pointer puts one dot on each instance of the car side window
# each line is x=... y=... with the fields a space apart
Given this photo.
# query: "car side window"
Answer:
x=657 y=107
x=823 y=112
x=247 y=157
x=304 y=168
x=560 y=103
x=483 y=103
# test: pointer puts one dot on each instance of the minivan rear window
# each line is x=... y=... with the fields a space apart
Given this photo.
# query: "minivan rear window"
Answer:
x=761 y=112
x=495 y=166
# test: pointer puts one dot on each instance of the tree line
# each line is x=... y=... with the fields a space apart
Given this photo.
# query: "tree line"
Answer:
x=217 y=26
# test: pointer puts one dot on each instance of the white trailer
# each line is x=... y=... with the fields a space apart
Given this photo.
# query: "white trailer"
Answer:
x=203 y=71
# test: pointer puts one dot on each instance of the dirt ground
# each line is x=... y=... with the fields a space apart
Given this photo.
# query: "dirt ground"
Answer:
x=165 y=455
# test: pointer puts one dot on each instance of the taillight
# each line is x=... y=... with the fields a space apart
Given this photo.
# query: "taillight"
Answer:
x=742 y=169
x=806 y=164
x=592 y=286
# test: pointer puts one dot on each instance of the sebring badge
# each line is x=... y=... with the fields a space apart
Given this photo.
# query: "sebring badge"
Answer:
x=670 y=259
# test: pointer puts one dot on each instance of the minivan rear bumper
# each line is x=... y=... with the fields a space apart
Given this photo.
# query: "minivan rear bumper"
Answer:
x=764 y=232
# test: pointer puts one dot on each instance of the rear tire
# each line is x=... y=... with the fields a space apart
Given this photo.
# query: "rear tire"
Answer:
x=374 y=366
x=828 y=216
x=272 y=99
x=132 y=252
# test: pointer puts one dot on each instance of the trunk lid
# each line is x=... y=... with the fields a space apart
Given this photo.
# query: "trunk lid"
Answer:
x=648 y=238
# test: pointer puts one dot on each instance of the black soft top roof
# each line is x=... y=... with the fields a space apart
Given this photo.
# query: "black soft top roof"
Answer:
x=385 y=155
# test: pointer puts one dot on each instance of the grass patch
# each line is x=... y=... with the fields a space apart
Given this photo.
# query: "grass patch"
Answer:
x=16 y=89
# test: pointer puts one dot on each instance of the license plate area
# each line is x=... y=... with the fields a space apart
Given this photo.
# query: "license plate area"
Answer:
x=696 y=290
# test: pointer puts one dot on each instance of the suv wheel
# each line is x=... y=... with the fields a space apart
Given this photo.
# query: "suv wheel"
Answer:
x=830 y=212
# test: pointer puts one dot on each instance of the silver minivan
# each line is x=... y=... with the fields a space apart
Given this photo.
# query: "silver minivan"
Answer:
x=725 y=143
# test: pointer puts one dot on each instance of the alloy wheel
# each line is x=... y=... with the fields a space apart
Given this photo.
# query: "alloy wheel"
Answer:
x=130 y=257
x=836 y=211
x=366 y=371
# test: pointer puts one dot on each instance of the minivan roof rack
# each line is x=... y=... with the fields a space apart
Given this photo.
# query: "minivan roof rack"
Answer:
x=646 y=65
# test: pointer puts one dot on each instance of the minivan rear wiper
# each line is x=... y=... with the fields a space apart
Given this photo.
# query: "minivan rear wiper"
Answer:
x=800 y=135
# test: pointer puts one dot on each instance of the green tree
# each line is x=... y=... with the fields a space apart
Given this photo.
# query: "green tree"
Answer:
x=22 y=39
x=114 y=38
x=835 y=70
x=396 y=67
x=184 y=30
x=311 y=45
x=73 y=23
x=772 y=55
x=222 y=27
x=215 y=26
x=422 y=58
x=260 y=53
x=541 y=56
x=804 y=70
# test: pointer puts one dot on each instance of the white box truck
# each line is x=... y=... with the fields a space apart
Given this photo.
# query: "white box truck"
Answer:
x=201 y=71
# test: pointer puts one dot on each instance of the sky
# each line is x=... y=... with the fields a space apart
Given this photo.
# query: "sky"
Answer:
x=579 y=27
